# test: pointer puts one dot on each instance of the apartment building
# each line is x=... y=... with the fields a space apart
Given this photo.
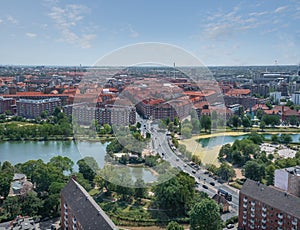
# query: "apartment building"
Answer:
x=7 y=104
x=33 y=108
x=109 y=114
x=266 y=207
x=288 y=180
x=80 y=211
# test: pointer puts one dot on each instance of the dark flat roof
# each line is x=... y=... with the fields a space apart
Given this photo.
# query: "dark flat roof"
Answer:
x=87 y=212
x=273 y=197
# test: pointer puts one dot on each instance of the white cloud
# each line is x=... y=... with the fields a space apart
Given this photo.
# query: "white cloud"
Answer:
x=31 y=35
x=11 y=19
x=1 y=21
x=280 y=9
x=257 y=14
x=67 y=20
x=224 y=24
x=133 y=33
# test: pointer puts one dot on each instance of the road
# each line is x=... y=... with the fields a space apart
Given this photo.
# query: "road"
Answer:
x=160 y=144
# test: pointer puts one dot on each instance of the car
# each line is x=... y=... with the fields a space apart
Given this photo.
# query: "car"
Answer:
x=177 y=159
x=212 y=183
x=229 y=226
x=206 y=172
x=162 y=154
x=185 y=165
x=205 y=186
x=193 y=171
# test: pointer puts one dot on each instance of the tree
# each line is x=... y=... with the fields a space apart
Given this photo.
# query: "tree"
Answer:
x=63 y=163
x=174 y=226
x=225 y=151
x=196 y=125
x=236 y=121
x=285 y=138
x=176 y=121
x=205 y=122
x=186 y=132
x=225 y=171
x=262 y=125
x=270 y=169
x=254 y=171
x=138 y=125
x=275 y=139
x=107 y=128
x=205 y=215
x=246 y=122
x=175 y=194
x=88 y=166
x=140 y=190
x=31 y=204
x=12 y=206
x=271 y=120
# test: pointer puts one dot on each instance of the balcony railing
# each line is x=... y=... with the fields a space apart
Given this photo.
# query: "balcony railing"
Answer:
x=252 y=209
x=252 y=203
x=280 y=216
x=252 y=221
x=280 y=222
x=263 y=227
x=245 y=205
x=245 y=217
x=294 y=222
x=252 y=215
x=264 y=214
x=264 y=221
x=264 y=209
x=244 y=222
x=245 y=199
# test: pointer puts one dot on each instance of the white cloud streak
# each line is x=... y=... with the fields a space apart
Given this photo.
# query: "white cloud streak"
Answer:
x=280 y=9
x=12 y=20
x=31 y=35
x=67 y=20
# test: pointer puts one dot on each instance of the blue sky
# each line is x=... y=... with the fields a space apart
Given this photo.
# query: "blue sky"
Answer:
x=57 y=32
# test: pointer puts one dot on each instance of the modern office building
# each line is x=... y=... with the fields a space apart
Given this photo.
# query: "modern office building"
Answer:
x=33 y=108
x=80 y=211
x=266 y=207
x=288 y=180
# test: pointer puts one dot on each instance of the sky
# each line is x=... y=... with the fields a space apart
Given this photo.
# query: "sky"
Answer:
x=218 y=33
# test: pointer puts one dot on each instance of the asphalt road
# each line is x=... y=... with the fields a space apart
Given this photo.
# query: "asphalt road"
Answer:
x=160 y=144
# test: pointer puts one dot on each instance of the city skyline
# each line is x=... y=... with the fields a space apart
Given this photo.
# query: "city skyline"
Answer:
x=73 y=33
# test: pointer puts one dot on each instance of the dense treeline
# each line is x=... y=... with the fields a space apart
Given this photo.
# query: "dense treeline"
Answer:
x=56 y=126
x=256 y=164
x=48 y=180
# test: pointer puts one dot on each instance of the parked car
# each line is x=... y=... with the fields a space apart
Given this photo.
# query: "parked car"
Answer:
x=212 y=183
x=205 y=186
x=229 y=226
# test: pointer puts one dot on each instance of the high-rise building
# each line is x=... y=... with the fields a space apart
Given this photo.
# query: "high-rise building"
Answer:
x=266 y=207
x=288 y=180
x=80 y=211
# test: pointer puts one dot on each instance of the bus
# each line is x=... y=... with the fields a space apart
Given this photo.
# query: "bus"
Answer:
x=224 y=193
